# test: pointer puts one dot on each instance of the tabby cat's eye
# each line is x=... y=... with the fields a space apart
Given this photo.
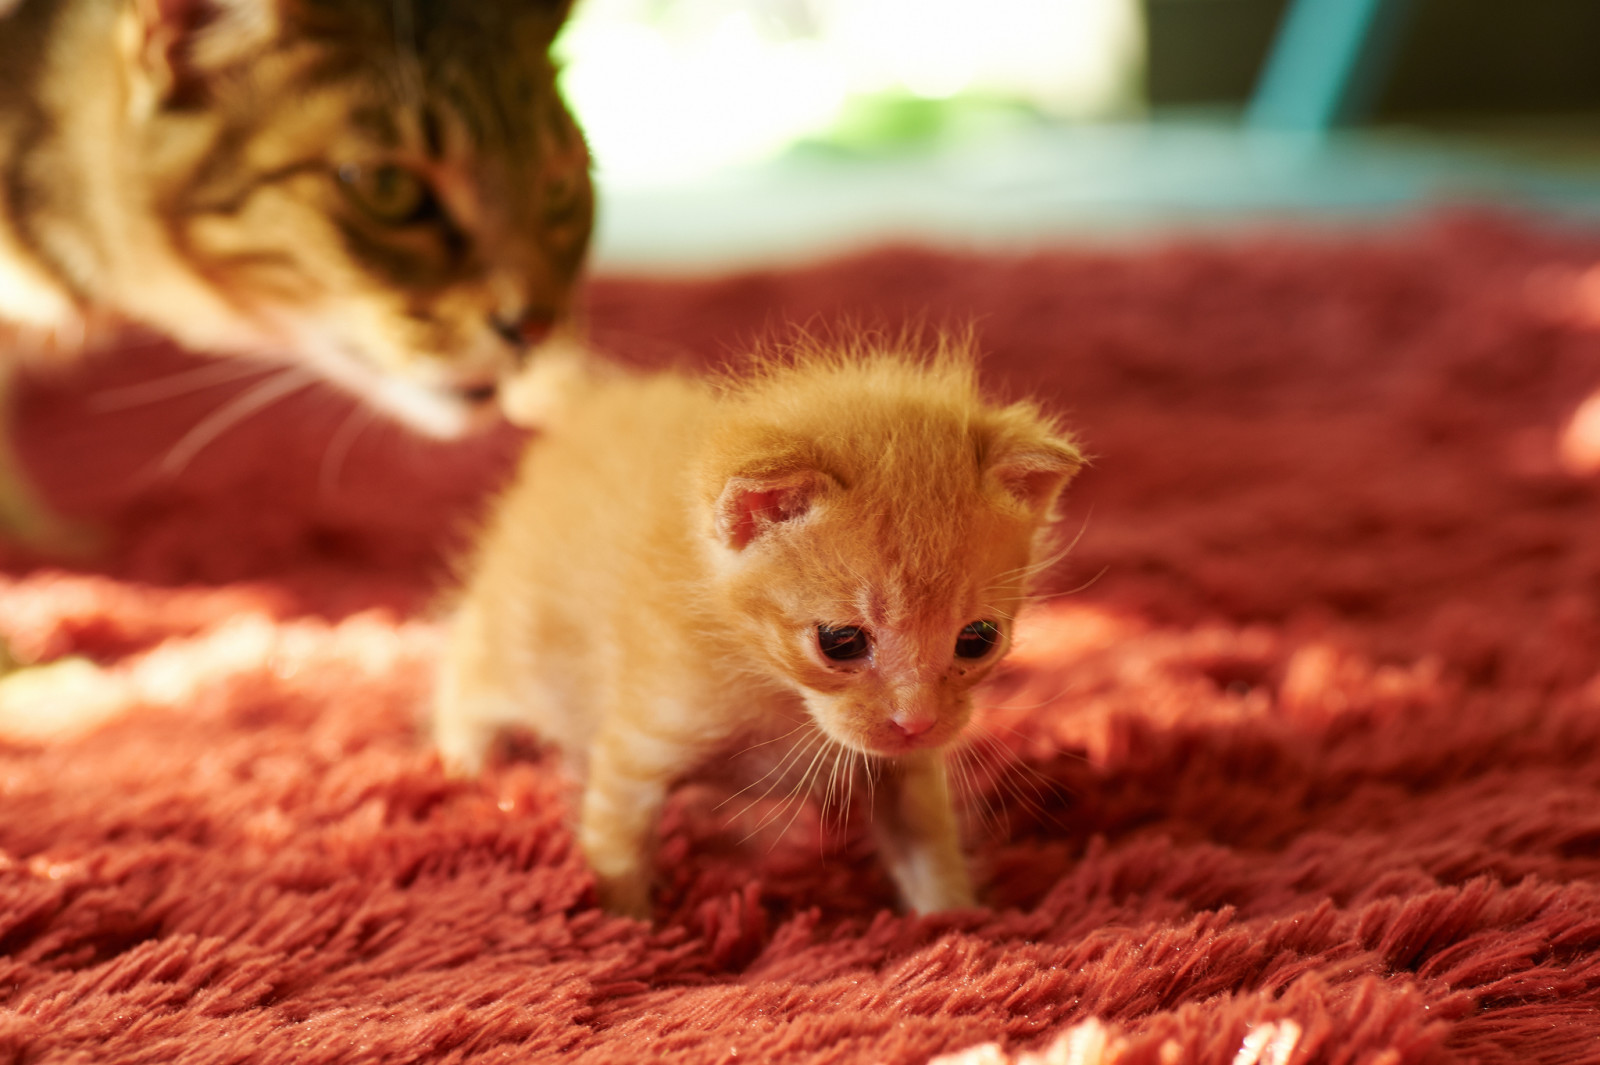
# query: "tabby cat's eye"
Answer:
x=977 y=639
x=389 y=193
x=843 y=643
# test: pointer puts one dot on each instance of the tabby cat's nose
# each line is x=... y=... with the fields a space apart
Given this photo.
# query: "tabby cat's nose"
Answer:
x=524 y=330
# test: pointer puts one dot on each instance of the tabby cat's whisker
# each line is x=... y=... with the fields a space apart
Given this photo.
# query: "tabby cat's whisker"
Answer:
x=405 y=41
x=256 y=398
x=170 y=386
x=339 y=445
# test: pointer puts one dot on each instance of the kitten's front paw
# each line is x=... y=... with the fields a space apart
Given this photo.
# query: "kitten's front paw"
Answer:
x=933 y=892
x=626 y=896
x=463 y=745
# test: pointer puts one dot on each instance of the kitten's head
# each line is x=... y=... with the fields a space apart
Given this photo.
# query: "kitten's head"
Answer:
x=874 y=533
x=390 y=189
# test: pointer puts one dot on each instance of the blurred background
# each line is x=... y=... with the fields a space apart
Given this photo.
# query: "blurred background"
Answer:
x=732 y=133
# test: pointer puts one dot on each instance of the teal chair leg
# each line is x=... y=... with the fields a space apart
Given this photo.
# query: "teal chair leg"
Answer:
x=1327 y=64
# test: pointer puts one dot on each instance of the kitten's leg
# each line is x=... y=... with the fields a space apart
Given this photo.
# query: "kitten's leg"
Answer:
x=468 y=685
x=463 y=742
x=917 y=834
x=629 y=773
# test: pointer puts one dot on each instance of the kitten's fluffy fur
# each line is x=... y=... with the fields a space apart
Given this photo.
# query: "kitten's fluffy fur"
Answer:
x=649 y=593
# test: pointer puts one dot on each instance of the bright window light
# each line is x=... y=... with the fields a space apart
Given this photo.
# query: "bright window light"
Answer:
x=669 y=91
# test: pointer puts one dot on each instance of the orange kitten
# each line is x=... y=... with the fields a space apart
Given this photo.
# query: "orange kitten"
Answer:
x=684 y=569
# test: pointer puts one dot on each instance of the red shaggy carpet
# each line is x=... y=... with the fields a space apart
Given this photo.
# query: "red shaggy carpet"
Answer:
x=1306 y=768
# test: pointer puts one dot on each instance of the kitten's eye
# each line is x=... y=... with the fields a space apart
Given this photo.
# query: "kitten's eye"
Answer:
x=844 y=643
x=977 y=639
x=390 y=193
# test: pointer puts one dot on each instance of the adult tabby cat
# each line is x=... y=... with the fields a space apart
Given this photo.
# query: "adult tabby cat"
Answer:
x=390 y=193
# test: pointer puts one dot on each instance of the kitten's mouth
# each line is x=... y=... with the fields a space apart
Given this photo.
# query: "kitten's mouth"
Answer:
x=898 y=744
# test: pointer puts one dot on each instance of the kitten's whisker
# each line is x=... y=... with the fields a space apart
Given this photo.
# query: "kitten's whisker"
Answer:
x=833 y=797
x=868 y=772
x=800 y=794
x=344 y=438
x=995 y=818
x=833 y=782
x=990 y=726
x=774 y=739
x=850 y=779
x=1033 y=569
x=1040 y=786
x=1049 y=700
x=780 y=769
x=181 y=383
x=1084 y=587
x=988 y=780
x=956 y=764
x=1009 y=757
x=971 y=783
x=1026 y=766
x=797 y=789
x=256 y=398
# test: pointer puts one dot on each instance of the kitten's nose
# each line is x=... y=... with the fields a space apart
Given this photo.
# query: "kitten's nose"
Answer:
x=524 y=330
x=912 y=723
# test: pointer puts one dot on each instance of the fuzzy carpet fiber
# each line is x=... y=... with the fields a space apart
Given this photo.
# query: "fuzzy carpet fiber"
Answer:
x=1303 y=765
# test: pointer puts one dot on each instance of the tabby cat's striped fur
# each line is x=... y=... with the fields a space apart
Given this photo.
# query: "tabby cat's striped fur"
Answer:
x=388 y=192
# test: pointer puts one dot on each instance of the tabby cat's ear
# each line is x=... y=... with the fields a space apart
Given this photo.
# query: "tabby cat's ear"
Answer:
x=551 y=16
x=159 y=40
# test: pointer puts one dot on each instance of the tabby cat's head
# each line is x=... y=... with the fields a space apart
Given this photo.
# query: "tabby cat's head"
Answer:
x=392 y=190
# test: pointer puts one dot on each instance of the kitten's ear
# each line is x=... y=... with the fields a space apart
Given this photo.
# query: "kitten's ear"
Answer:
x=750 y=506
x=1034 y=474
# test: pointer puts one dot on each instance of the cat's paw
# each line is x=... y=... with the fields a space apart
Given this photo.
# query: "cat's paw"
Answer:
x=936 y=892
x=463 y=746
